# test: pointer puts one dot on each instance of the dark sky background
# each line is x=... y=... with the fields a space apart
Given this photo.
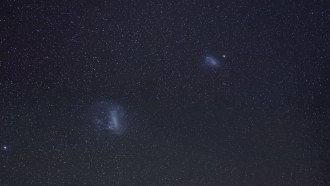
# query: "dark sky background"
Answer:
x=260 y=119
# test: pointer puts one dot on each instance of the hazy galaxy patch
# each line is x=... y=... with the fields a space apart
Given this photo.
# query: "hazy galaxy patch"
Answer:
x=109 y=117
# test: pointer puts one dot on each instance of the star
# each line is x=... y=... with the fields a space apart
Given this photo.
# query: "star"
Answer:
x=4 y=147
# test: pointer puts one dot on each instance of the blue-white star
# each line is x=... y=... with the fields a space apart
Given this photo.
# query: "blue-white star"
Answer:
x=4 y=147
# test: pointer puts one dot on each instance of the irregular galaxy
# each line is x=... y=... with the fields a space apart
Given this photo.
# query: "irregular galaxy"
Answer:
x=108 y=117
x=211 y=61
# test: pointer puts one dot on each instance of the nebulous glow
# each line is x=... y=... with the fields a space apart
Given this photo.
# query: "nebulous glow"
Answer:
x=211 y=61
x=109 y=117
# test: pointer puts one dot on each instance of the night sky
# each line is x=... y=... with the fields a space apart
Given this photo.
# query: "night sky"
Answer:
x=165 y=93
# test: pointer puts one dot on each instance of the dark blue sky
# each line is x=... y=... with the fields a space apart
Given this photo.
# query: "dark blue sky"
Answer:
x=260 y=118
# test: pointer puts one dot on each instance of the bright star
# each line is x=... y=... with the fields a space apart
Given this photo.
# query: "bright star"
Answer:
x=4 y=147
